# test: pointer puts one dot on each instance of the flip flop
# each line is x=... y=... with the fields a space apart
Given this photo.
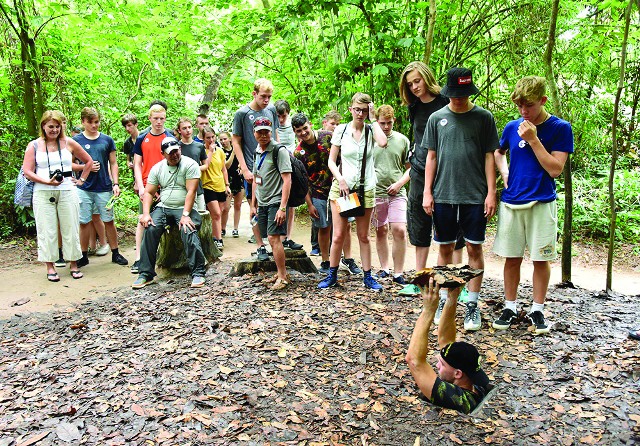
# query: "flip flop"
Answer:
x=76 y=274
x=53 y=277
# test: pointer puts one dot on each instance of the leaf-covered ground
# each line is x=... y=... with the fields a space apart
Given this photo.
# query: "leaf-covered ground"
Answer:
x=234 y=363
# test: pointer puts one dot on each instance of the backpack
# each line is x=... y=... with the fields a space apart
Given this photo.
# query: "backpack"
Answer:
x=299 y=178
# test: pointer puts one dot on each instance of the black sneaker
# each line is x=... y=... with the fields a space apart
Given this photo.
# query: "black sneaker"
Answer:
x=60 y=263
x=135 y=267
x=262 y=254
x=350 y=265
x=324 y=267
x=224 y=232
x=83 y=261
x=505 y=320
x=382 y=274
x=119 y=259
x=540 y=326
x=400 y=280
x=290 y=244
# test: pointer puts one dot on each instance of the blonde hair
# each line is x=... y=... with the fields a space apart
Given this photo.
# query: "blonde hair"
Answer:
x=385 y=111
x=262 y=84
x=333 y=114
x=529 y=89
x=156 y=108
x=53 y=115
x=427 y=75
x=361 y=98
x=89 y=113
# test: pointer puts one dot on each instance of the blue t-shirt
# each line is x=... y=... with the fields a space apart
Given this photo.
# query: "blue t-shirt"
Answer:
x=99 y=150
x=528 y=181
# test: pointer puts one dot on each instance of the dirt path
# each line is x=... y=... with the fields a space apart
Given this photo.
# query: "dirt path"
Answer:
x=24 y=278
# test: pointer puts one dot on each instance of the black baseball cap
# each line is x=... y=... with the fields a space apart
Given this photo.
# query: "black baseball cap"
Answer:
x=465 y=357
x=459 y=84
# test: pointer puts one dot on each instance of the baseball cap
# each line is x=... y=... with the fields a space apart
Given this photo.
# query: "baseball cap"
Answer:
x=169 y=144
x=262 y=124
x=459 y=84
x=465 y=357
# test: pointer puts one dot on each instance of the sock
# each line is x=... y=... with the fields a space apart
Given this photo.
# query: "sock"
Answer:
x=60 y=253
x=367 y=273
x=396 y=275
x=473 y=296
x=444 y=293
x=85 y=254
x=115 y=252
x=511 y=305
x=537 y=307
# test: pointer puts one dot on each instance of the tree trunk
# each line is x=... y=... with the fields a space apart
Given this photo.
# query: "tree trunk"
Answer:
x=614 y=148
x=171 y=250
x=431 y=24
x=567 y=234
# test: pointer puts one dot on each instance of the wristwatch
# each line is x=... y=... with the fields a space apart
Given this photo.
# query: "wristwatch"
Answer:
x=185 y=214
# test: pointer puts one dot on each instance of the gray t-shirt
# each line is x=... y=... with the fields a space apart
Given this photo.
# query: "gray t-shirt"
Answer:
x=196 y=152
x=270 y=191
x=243 y=127
x=461 y=141
x=390 y=163
x=173 y=181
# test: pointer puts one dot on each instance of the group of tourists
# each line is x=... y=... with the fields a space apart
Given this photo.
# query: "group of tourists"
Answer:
x=440 y=182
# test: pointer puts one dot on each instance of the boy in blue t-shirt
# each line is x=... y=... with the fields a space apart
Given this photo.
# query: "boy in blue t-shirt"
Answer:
x=540 y=145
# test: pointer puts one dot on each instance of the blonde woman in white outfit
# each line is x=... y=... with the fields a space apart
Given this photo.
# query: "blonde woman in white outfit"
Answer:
x=47 y=162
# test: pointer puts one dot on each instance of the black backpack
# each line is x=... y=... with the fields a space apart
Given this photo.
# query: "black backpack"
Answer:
x=299 y=178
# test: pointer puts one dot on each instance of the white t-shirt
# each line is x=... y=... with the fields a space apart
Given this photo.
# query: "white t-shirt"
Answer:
x=351 y=153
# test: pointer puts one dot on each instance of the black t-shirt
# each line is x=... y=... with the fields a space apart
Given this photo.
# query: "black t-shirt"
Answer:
x=450 y=396
x=127 y=147
x=419 y=113
x=235 y=178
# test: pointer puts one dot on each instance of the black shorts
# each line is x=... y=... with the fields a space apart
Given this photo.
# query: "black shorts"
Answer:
x=266 y=221
x=211 y=195
x=451 y=219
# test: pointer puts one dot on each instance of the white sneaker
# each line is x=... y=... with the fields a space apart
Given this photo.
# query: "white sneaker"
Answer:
x=472 y=318
x=436 y=317
x=103 y=250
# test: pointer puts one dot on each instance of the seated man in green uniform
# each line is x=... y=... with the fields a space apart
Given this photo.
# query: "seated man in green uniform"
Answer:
x=460 y=383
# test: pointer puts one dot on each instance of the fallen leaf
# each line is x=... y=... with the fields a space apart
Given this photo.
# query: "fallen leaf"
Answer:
x=138 y=409
x=34 y=439
x=19 y=302
x=377 y=407
x=68 y=432
x=455 y=439
x=225 y=370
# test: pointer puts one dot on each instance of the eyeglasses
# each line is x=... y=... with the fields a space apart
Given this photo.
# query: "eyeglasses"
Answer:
x=361 y=111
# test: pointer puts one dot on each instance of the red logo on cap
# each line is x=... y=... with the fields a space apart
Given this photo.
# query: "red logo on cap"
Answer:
x=464 y=80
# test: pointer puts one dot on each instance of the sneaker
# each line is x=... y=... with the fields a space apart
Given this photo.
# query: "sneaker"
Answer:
x=540 y=326
x=219 y=244
x=262 y=254
x=505 y=320
x=290 y=244
x=60 y=263
x=399 y=280
x=141 y=282
x=472 y=319
x=350 y=265
x=382 y=274
x=324 y=267
x=371 y=283
x=119 y=259
x=252 y=239
x=224 y=232
x=82 y=261
x=91 y=252
x=197 y=282
x=436 y=317
x=135 y=266
x=315 y=252
x=235 y=234
x=409 y=290
x=103 y=250
x=464 y=295
x=330 y=280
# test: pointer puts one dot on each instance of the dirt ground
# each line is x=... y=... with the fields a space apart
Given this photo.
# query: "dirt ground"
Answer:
x=24 y=279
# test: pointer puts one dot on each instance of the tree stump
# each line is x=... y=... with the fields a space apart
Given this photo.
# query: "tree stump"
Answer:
x=295 y=259
x=171 y=250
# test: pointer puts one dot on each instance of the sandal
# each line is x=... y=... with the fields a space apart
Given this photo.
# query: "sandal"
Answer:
x=274 y=279
x=53 y=277
x=77 y=274
x=280 y=284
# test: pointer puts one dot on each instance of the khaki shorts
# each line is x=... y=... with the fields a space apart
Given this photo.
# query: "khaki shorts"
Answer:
x=369 y=195
x=535 y=228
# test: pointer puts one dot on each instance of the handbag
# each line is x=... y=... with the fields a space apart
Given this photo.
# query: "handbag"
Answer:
x=23 y=194
x=358 y=211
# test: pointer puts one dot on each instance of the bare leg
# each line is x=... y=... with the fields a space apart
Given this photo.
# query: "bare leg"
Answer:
x=98 y=225
x=237 y=206
x=139 y=233
x=541 y=277
x=382 y=246
x=363 y=224
x=457 y=256
x=278 y=255
x=511 y=277
x=225 y=213
x=399 y=247
x=216 y=213
x=346 y=247
x=340 y=228
x=422 y=254
x=290 y=221
x=112 y=234
x=324 y=240
x=85 y=234
x=476 y=260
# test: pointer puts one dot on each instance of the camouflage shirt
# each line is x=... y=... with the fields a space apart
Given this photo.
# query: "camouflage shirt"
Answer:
x=450 y=396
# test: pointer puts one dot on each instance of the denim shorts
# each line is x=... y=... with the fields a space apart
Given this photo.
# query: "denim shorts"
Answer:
x=94 y=203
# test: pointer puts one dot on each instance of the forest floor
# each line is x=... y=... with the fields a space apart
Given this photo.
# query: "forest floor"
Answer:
x=234 y=363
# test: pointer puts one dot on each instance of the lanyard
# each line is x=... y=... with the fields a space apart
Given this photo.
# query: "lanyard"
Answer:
x=264 y=155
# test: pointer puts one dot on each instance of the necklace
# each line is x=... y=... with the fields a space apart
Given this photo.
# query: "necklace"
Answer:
x=547 y=116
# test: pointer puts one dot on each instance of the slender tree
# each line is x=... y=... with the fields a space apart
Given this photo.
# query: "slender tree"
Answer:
x=614 y=146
